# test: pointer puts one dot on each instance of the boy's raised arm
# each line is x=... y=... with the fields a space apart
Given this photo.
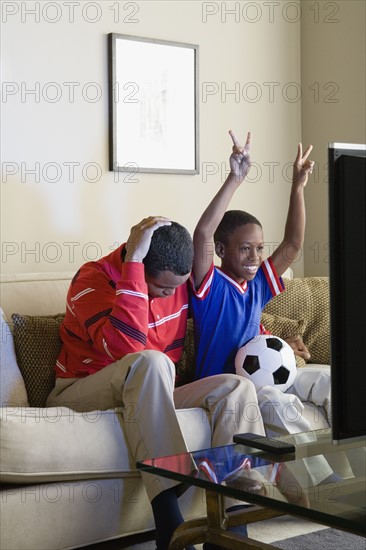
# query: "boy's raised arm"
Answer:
x=211 y=217
x=288 y=250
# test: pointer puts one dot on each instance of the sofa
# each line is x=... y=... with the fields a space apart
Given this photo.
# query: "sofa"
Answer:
x=67 y=478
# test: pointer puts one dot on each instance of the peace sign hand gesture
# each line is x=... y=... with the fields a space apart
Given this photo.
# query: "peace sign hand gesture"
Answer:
x=302 y=166
x=240 y=158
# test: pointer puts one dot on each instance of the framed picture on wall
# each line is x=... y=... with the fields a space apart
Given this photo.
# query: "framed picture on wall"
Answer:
x=153 y=105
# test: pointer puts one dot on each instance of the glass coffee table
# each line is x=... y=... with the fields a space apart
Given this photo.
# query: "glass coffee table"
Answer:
x=273 y=484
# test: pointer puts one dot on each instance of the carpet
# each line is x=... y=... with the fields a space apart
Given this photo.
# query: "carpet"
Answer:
x=300 y=534
x=323 y=539
x=326 y=539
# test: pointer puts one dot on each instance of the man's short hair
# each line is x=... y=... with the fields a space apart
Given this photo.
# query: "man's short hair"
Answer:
x=231 y=220
x=171 y=249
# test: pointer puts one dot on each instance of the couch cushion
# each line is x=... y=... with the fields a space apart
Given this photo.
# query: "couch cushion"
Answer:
x=186 y=366
x=12 y=388
x=53 y=443
x=282 y=326
x=307 y=299
x=37 y=345
x=56 y=443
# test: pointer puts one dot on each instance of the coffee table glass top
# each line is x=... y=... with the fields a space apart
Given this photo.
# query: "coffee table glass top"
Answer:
x=320 y=481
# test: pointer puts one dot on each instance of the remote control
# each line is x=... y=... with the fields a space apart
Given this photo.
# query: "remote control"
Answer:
x=268 y=444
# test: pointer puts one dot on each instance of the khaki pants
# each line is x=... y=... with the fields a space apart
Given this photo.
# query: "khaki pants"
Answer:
x=142 y=384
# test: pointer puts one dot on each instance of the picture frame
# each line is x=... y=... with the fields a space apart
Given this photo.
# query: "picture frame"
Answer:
x=153 y=105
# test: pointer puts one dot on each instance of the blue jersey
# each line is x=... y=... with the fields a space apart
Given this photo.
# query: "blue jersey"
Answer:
x=227 y=315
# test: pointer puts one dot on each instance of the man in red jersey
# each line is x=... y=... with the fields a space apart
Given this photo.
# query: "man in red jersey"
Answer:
x=124 y=330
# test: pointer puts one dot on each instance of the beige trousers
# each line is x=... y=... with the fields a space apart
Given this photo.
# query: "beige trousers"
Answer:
x=142 y=384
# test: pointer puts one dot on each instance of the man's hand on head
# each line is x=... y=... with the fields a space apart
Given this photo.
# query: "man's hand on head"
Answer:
x=139 y=241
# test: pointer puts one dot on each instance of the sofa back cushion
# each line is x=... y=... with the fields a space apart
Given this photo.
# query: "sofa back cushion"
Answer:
x=307 y=300
x=34 y=293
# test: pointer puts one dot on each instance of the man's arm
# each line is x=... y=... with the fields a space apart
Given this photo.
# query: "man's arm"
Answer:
x=210 y=219
x=287 y=251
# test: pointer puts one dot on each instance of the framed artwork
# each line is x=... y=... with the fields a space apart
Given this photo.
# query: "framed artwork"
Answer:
x=153 y=105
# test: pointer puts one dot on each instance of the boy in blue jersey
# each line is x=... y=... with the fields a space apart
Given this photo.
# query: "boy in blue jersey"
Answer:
x=227 y=301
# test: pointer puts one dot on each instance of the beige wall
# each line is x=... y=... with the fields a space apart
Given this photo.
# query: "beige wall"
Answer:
x=333 y=105
x=55 y=226
x=40 y=218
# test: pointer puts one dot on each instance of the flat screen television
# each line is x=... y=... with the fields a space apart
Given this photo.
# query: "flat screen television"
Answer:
x=347 y=271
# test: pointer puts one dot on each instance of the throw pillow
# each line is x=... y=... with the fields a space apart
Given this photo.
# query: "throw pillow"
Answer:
x=308 y=299
x=318 y=330
x=12 y=387
x=37 y=345
x=185 y=368
x=284 y=328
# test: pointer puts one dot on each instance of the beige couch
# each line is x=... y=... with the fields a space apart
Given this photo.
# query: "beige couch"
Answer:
x=67 y=479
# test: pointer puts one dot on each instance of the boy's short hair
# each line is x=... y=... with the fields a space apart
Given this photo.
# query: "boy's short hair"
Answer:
x=231 y=220
x=171 y=249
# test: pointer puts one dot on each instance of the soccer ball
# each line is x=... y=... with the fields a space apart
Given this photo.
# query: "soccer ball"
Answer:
x=267 y=360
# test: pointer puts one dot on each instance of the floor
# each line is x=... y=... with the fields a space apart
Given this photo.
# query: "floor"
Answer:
x=125 y=542
x=265 y=531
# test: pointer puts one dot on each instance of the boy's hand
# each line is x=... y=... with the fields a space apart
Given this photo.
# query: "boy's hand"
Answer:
x=298 y=346
x=139 y=241
x=240 y=158
x=302 y=166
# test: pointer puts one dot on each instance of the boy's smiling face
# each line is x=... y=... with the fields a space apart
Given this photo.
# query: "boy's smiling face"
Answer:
x=241 y=254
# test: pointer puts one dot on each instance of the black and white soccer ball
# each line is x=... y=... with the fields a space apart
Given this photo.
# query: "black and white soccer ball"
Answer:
x=267 y=361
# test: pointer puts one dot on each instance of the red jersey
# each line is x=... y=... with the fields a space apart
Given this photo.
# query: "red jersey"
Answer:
x=110 y=314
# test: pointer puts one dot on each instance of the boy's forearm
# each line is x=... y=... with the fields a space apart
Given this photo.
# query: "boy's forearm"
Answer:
x=293 y=240
x=295 y=223
x=296 y=217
